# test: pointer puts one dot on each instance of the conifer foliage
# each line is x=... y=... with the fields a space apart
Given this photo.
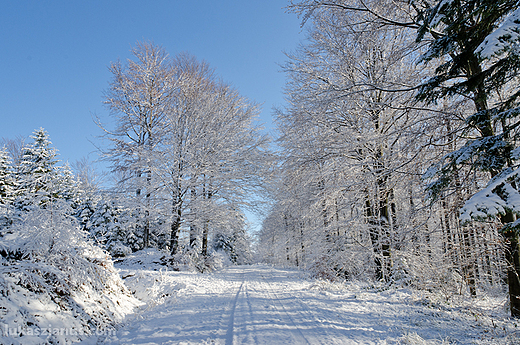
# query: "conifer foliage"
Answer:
x=7 y=178
x=478 y=42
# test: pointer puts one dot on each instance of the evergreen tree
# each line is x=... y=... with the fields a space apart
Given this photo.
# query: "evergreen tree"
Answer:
x=67 y=188
x=114 y=227
x=87 y=192
x=7 y=179
x=7 y=189
x=37 y=172
x=85 y=210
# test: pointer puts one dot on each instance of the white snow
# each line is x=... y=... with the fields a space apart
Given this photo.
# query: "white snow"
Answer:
x=487 y=203
x=507 y=34
x=260 y=304
x=59 y=295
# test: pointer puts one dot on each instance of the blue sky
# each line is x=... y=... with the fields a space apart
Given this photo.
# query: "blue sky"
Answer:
x=54 y=56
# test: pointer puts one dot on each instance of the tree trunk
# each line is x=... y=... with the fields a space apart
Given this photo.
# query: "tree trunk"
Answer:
x=448 y=243
x=469 y=264
x=513 y=265
x=205 y=231
x=385 y=220
x=513 y=273
x=193 y=236
x=175 y=227
x=379 y=237
x=146 y=230
x=374 y=235
x=302 y=245
x=193 y=227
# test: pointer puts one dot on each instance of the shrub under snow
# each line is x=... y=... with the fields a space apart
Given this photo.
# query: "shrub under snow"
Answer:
x=55 y=287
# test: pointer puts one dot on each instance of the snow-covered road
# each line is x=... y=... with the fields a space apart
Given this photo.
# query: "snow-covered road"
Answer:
x=260 y=304
x=269 y=308
x=243 y=305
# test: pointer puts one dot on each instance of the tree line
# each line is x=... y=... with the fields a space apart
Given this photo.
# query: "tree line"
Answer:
x=185 y=158
x=399 y=145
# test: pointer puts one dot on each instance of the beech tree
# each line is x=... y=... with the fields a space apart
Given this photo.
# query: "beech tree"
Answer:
x=185 y=145
x=139 y=97
x=352 y=128
x=214 y=154
x=472 y=45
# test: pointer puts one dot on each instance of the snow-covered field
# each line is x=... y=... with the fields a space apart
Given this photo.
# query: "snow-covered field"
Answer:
x=260 y=304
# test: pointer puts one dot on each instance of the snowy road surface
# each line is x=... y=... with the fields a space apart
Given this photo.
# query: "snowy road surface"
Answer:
x=264 y=305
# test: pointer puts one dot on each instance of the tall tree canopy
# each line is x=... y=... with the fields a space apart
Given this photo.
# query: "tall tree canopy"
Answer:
x=185 y=146
x=470 y=87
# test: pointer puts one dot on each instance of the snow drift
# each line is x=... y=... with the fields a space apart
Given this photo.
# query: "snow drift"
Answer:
x=56 y=287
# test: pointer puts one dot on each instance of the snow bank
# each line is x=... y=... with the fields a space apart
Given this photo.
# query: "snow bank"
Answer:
x=55 y=287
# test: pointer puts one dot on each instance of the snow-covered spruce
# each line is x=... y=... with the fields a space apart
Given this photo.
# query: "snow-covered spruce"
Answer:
x=56 y=287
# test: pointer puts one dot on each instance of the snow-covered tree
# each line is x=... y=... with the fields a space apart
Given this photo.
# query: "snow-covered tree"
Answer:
x=212 y=154
x=14 y=147
x=8 y=186
x=139 y=97
x=39 y=178
x=478 y=41
x=46 y=257
x=7 y=178
x=184 y=143
x=350 y=134
x=233 y=239
x=67 y=188
x=37 y=169
x=113 y=227
x=473 y=47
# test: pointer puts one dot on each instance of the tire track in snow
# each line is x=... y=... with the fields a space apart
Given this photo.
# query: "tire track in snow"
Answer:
x=322 y=334
x=241 y=326
x=245 y=329
x=297 y=332
x=325 y=335
x=231 y=325
x=251 y=315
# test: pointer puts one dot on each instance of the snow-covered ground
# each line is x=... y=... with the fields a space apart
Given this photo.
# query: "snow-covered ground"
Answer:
x=260 y=304
x=59 y=295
